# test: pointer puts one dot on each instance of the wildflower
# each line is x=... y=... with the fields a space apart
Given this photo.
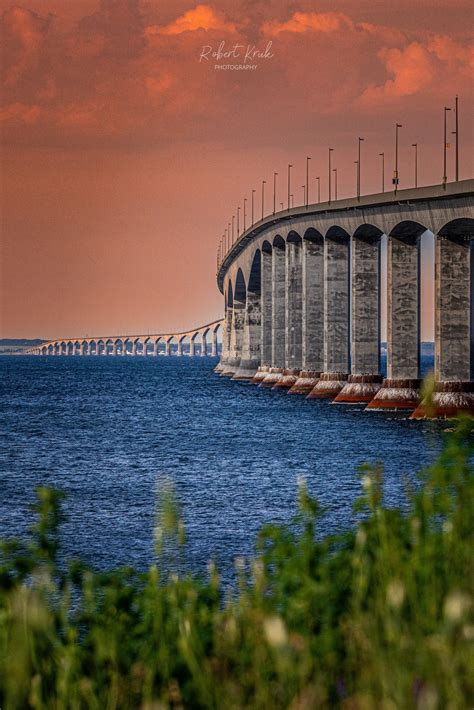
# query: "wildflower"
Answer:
x=395 y=593
x=455 y=606
x=275 y=631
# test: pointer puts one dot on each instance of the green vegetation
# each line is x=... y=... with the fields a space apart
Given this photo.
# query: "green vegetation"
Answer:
x=380 y=617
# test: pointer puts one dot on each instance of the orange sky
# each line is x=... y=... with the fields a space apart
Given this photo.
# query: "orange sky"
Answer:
x=123 y=155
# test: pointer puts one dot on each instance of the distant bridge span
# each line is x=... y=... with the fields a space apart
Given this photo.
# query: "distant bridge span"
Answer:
x=141 y=344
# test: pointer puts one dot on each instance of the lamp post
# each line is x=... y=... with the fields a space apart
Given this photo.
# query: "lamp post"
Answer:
x=395 y=177
x=233 y=222
x=274 y=191
x=245 y=213
x=358 y=167
x=253 y=204
x=329 y=176
x=445 y=169
x=308 y=158
x=225 y=241
x=304 y=195
x=228 y=232
x=238 y=222
x=335 y=182
x=319 y=189
x=415 y=146
x=382 y=155
x=456 y=109
x=281 y=205
x=289 y=183
x=292 y=199
x=264 y=182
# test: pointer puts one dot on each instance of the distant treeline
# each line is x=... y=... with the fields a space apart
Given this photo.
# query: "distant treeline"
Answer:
x=21 y=342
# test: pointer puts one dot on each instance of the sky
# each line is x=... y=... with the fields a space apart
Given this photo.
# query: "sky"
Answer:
x=124 y=152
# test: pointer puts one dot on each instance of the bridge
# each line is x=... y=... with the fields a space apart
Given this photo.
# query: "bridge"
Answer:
x=145 y=344
x=302 y=293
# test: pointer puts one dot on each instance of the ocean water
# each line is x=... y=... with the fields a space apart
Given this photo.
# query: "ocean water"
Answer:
x=110 y=431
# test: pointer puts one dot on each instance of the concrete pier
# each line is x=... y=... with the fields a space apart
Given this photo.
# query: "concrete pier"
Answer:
x=237 y=330
x=266 y=314
x=252 y=326
x=312 y=315
x=336 y=316
x=454 y=332
x=293 y=306
x=400 y=390
x=365 y=379
x=278 y=313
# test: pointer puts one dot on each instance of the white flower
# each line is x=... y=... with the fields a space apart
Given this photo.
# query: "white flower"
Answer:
x=395 y=593
x=275 y=631
x=455 y=606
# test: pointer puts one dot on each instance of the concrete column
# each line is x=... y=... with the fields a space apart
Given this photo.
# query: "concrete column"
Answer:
x=134 y=348
x=124 y=347
x=365 y=379
x=278 y=307
x=400 y=390
x=214 y=344
x=203 y=346
x=266 y=316
x=293 y=316
x=454 y=331
x=336 y=317
x=278 y=315
x=155 y=349
x=167 y=348
x=251 y=338
x=312 y=312
x=236 y=338
x=225 y=369
x=192 y=347
x=180 y=348
x=293 y=307
x=114 y=349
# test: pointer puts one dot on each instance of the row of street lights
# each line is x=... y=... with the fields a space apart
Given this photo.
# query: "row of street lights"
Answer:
x=228 y=238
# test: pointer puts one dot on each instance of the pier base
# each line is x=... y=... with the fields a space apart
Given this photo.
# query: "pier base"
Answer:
x=359 y=389
x=274 y=374
x=260 y=375
x=246 y=370
x=220 y=365
x=290 y=377
x=397 y=394
x=307 y=380
x=231 y=367
x=329 y=385
x=448 y=400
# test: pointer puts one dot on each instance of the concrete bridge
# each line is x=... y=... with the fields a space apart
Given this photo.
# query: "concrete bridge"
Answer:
x=186 y=342
x=302 y=300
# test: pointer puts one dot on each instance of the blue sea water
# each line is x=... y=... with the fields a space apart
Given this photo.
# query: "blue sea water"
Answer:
x=109 y=431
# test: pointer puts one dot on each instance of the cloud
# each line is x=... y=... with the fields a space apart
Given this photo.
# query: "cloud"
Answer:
x=23 y=32
x=202 y=17
x=302 y=22
x=419 y=68
x=20 y=113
